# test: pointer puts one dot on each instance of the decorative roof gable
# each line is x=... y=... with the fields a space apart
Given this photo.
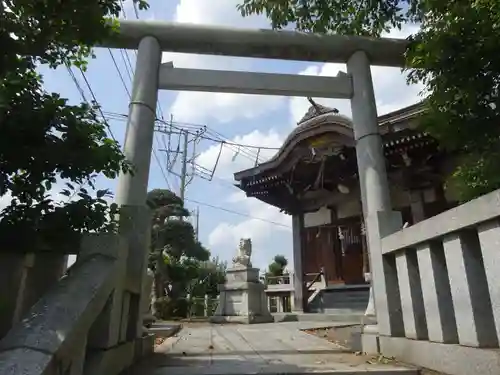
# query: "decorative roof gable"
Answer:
x=316 y=110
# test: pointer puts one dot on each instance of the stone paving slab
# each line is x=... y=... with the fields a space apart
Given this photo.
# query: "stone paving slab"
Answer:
x=279 y=348
x=164 y=329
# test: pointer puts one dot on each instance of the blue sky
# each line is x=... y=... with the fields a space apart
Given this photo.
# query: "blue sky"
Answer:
x=251 y=120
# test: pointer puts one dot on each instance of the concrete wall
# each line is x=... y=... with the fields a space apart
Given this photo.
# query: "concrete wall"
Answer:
x=81 y=324
x=444 y=274
x=24 y=278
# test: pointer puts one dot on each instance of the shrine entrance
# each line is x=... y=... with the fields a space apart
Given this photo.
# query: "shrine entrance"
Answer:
x=352 y=256
x=358 y=53
x=337 y=249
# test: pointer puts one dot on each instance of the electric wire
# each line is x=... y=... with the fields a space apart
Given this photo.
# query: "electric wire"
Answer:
x=217 y=137
x=236 y=212
x=129 y=69
x=123 y=117
x=202 y=171
x=98 y=106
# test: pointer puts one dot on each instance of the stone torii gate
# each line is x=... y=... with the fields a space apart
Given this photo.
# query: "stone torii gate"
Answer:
x=152 y=38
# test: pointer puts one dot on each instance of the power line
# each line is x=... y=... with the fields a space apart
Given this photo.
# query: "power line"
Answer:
x=77 y=84
x=183 y=175
x=84 y=97
x=119 y=71
x=136 y=13
x=123 y=8
x=129 y=69
x=95 y=101
x=238 y=149
x=242 y=145
x=175 y=125
x=124 y=117
x=248 y=153
x=206 y=174
x=235 y=212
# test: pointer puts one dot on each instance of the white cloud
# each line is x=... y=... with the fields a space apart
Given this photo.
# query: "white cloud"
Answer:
x=391 y=90
x=220 y=12
x=55 y=196
x=200 y=107
x=5 y=201
x=222 y=107
x=231 y=160
x=226 y=236
x=391 y=93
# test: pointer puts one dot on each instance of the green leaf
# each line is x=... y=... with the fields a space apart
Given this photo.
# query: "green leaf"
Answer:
x=66 y=142
x=65 y=192
x=101 y=193
x=454 y=56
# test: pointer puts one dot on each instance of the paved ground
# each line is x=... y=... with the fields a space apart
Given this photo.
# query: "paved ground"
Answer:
x=277 y=348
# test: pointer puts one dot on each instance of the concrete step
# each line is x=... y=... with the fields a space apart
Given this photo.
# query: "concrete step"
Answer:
x=164 y=329
x=345 y=305
x=341 y=299
x=342 y=311
x=326 y=297
x=343 y=317
x=346 y=295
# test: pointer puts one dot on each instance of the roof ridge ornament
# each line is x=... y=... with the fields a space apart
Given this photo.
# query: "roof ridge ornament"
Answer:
x=316 y=110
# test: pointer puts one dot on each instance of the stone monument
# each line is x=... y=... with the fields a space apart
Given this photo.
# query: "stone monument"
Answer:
x=242 y=298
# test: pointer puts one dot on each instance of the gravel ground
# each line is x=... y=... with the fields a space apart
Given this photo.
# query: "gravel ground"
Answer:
x=342 y=335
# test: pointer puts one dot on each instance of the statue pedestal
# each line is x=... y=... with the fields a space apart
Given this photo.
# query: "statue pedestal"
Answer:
x=242 y=298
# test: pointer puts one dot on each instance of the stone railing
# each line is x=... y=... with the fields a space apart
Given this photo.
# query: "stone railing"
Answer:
x=284 y=279
x=443 y=286
x=24 y=278
x=202 y=307
x=279 y=283
x=78 y=326
x=448 y=274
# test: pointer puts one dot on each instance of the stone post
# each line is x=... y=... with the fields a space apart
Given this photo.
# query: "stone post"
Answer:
x=298 y=273
x=132 y=189
x=374 y=187
x=46 y=270
x=14 y=267
x=147 y=316
x=24 y=279
x=206 y=305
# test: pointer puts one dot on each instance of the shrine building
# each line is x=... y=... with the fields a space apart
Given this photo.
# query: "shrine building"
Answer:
x=314 y=178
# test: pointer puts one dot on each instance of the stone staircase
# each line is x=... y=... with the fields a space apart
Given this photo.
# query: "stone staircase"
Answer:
x=348 y=300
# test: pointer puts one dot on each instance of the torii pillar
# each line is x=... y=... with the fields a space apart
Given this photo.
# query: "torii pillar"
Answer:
x=379 y=218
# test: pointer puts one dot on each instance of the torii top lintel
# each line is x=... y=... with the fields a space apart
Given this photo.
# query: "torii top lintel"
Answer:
x=258 y=43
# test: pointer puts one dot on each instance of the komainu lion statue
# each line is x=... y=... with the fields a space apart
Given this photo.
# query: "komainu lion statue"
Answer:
x=244 y=254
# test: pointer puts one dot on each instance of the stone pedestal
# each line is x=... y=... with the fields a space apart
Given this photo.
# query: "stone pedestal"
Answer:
x=242 y=298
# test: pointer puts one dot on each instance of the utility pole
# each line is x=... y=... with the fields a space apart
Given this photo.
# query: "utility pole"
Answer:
x=184 y=168
x=197 y=221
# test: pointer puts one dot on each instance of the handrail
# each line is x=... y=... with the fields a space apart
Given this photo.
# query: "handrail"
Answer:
x=467 y=215
x=441 y=282
x=49 y=338
x=285 y=278
x=316 y=278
